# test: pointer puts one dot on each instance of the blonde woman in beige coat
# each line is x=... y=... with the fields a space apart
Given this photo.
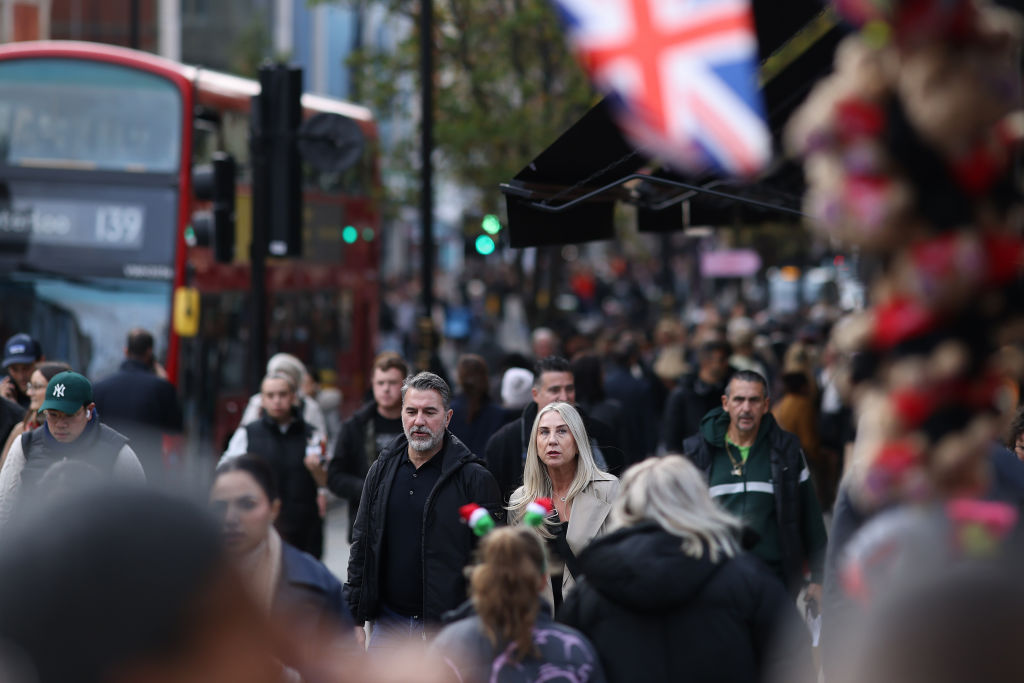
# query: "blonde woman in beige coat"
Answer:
x=560 y=466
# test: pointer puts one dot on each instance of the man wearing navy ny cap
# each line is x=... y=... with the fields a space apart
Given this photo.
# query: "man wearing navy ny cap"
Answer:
x=21 y=352
x=71 y=431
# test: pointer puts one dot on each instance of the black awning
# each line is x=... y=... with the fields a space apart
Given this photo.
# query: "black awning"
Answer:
x=567 y=194
x=591 y=154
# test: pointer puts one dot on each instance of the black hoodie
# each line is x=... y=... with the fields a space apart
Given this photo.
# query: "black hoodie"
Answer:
x=657 y=614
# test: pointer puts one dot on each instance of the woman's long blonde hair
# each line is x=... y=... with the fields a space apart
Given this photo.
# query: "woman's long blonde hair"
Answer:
x=671 y=492
x=536 y=482
x=504 y=587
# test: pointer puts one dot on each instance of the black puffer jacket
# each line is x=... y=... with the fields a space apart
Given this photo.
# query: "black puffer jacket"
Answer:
x=446 y=543
x=656 y=614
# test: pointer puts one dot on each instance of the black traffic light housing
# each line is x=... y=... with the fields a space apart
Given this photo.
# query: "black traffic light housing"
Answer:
x=215 y=227
x=278 y=115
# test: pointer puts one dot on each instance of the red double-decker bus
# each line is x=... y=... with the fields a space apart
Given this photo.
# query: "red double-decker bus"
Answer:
x=97 y=147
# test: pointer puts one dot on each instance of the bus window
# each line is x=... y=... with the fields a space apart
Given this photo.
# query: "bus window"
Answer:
x=314 y=326
x=62 y=113
x=84 y=321
x=204 y=142
x=224 y=328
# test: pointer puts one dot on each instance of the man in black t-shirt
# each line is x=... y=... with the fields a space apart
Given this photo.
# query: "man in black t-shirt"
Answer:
x=368 y=431
x=385 y=429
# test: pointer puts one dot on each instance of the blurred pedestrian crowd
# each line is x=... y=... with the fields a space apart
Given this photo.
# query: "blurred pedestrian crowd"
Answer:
x=626 y=504
x=566 y=477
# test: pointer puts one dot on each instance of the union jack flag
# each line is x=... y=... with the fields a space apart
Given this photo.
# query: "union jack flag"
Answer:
x=683 y=74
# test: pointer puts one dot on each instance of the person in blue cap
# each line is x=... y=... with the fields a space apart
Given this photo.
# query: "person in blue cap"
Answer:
x=21 y=353
x=71 y=431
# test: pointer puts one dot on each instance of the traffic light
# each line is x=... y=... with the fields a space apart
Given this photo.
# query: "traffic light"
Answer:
x=484 y=245
x=278 y=117
x=215 y=182
x=490 y=224
x=482 y=237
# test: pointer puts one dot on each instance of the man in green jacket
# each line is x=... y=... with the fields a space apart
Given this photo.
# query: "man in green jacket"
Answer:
x=757 y=471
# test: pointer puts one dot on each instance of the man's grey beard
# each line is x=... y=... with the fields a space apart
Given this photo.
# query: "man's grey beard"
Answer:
x=423 y=445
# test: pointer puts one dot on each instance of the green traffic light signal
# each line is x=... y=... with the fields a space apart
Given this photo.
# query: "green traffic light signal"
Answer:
x=350 y=234
x=491 y=224
x=484 y=245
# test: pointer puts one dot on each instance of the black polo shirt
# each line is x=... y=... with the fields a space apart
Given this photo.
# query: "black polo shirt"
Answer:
x=402 y=561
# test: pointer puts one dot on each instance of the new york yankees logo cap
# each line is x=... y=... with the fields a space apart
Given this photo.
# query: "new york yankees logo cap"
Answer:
x=67 y=392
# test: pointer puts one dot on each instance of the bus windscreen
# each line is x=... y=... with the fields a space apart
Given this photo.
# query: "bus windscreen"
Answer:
x=62 y=113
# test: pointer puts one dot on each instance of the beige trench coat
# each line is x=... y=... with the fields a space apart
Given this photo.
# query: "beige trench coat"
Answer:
x=588 y=519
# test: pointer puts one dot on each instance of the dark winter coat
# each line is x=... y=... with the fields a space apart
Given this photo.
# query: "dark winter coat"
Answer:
x=354 y=451
x=506 y=450
x=488 y=420
x=657 y=614
x=686 y=407
x=140 y=405
x=309 y=590
x=636 y=396
x=446 y=543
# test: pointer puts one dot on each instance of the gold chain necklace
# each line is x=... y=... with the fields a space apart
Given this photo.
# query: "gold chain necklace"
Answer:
x=737 y=467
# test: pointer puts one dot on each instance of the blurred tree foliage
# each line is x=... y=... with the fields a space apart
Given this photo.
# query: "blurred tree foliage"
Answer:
x=506 y=86
x=251 y=46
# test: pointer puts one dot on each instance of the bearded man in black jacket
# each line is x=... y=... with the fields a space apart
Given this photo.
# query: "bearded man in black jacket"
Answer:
x=409 y=546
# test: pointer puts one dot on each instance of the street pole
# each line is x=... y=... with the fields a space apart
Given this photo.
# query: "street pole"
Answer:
x=427 y=180
x=133 y=20
x=258 y=245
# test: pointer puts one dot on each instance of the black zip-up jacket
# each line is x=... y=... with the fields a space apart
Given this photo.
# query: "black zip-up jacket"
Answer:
x=355 y=450
x=446 y=543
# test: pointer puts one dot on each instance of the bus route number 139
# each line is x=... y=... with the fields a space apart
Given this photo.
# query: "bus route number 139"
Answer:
x=119 y=226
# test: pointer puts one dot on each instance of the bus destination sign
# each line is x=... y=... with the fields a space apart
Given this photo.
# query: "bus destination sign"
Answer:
x=73 y=223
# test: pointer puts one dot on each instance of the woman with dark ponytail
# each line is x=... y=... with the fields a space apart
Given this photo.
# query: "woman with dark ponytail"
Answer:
x=512 y=636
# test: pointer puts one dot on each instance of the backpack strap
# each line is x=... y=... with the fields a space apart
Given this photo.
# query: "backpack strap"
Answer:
x=568 y=556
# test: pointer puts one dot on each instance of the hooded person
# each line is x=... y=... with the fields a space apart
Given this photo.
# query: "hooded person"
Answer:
x=669 y=594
